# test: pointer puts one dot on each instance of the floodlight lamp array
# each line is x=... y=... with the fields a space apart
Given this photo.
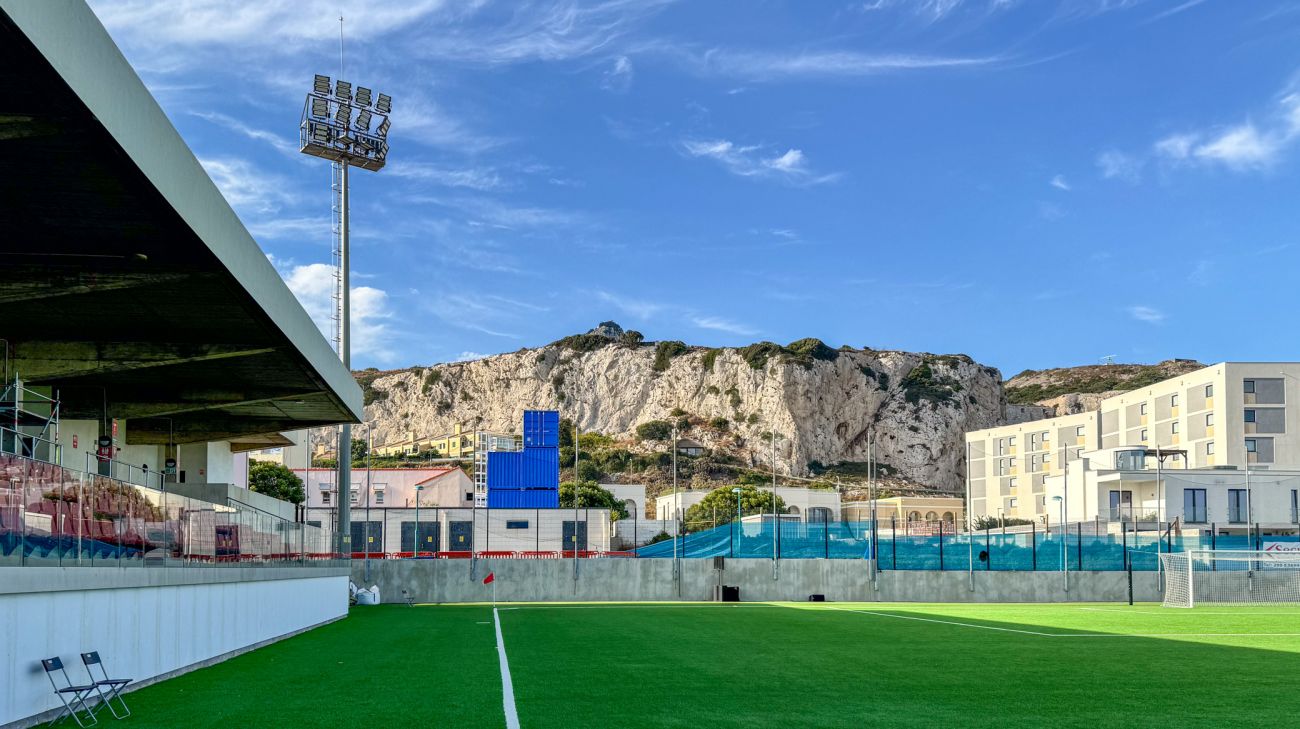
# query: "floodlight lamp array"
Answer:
x=336 y=123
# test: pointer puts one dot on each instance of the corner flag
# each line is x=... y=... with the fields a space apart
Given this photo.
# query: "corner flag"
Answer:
x=491 y=577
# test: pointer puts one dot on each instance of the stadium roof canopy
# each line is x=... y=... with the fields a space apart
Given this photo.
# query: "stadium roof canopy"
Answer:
x=126 y=281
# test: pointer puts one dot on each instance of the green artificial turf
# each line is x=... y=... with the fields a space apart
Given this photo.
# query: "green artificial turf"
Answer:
x=757 y=665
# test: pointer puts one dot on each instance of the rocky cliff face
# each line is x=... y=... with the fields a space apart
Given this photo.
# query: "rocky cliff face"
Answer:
x=1069 y=390
x=822 y=403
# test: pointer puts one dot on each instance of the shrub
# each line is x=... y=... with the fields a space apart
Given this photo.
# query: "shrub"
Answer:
x=677 y=412
x=431 y=379
x=993 y=522
x=733 y=395
x=584 y=342
x=665 y=351
x=803 y=351
x=660 y=537
x=720 y=424
x=756 y=355
x=708 y=359
x=654 y=430
x=923 y=384
x=631 y=339
x=712 y=390
x=753 y=418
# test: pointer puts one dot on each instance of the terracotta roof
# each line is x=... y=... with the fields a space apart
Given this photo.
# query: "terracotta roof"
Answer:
x=442 y=472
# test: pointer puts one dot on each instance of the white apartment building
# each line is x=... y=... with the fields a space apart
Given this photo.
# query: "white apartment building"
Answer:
x=1207 y=426
x=813 y=505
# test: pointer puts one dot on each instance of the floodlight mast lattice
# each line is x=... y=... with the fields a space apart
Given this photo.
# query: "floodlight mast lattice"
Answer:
x=328 y=130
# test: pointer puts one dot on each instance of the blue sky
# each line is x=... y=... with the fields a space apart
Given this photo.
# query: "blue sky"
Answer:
x=1033 y=183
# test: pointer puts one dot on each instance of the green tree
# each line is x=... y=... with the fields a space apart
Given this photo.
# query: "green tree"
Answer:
x=591 y=494
x=654 y=430
x=359 y=450
x=276 y=481
x=720 y=504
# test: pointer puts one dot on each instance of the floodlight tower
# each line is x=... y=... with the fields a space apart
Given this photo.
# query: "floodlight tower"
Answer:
x=336 y=125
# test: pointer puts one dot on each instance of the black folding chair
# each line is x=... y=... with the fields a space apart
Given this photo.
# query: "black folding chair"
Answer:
x=410 y=601
x=78 y=694
x=114 y=685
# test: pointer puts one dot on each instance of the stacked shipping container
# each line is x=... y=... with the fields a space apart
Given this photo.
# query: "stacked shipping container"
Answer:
x=528 y=479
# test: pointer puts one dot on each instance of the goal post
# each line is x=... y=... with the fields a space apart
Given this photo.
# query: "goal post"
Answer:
x=1231 y=577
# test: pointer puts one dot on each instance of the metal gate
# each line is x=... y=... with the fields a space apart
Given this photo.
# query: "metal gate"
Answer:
x=428 y=539
x=460 y=536
x=568 y=536
x=367 y=541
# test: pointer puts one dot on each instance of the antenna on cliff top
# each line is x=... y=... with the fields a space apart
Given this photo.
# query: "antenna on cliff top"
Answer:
x=1109 y=359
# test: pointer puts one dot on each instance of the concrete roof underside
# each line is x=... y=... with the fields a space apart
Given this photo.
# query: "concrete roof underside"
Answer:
x=126 y=281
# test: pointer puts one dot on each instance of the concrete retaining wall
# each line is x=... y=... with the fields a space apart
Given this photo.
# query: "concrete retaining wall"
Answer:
x=841 y=580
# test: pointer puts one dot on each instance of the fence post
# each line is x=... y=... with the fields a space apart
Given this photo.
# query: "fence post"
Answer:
x=826 y=538
x=988 y=551
x=1123 y=536
x=1033 y=544
x=1080 y=546
x=893 y=538
x=941 y=546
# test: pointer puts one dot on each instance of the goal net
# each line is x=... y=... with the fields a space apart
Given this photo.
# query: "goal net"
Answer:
x=1231 y=577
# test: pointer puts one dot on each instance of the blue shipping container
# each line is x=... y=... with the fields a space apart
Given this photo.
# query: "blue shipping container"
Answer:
x=542 y=428
x=541 y=468
x=532 y=468
x=503 y=470
x=523 y=499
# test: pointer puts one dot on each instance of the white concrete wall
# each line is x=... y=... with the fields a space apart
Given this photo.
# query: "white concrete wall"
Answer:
x=143 y=631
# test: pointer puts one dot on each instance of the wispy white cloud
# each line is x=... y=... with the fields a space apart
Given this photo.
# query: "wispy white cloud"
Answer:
x=246 y=187
x=472 y=178
x=757 y=66
x=1115 y=165
x=755 y=161
x=638 y=308
x=619 y=76
x=470 y=356
x=318 y=228
x=717 y=323
x=313 y=284
x=1147 y=314
x=473 y=313
x=1245 y=146
x=1059 y=183
x=281 y=143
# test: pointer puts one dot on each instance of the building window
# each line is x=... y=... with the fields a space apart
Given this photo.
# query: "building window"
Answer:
x=1011 y=441
x=1173 y=401
x=1121 y=505
x=1295 y=506
x=469 y=496
x=1173 y=427
x=1250 y=416
x=1142 y=435
x=1014 y=502
x=1209 y=448
x=1209 y=420
x=516 y=525
x=1237 y=513
x=1142 y=409
x=1209 y=390
x=1248 y=386
x=1194 y=506
x=325 y=498
x=1079 y=431
x=379 y=497
x=1010 y=484
x=1078 y=453
x=354 y=496
x=1252 y=445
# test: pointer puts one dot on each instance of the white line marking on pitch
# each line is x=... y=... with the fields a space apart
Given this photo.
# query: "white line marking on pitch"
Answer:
x=507 y=686
x=1073 y=635
x=1180 y=611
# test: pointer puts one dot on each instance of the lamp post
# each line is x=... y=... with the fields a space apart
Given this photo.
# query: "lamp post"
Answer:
x=677 y=526
x=418 y=489
x=336 y=125
x=736 y=490
x=1065 y=568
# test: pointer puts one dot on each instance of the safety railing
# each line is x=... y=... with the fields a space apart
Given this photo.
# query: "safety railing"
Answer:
x=54 y=516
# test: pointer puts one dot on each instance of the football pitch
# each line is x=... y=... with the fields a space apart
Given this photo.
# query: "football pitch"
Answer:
x=757 y=665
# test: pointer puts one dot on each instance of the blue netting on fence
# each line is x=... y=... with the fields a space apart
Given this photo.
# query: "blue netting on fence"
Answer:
x=1035 y=550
